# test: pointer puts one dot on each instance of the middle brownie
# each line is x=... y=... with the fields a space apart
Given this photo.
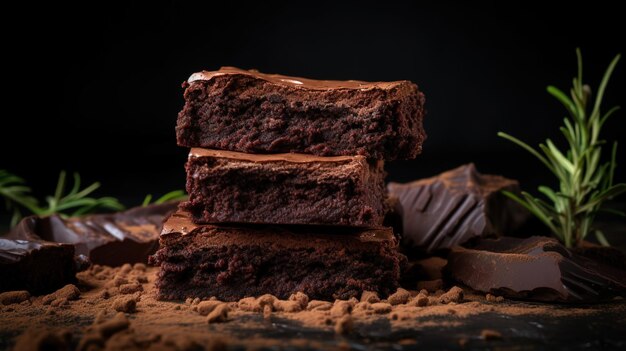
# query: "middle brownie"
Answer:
x=226 y=186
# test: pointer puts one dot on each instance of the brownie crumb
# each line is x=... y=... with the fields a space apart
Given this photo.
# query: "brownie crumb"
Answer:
x=125 y=304
x=206 y=307
x=287 y=306
x=381 y=307
x=140 y=267
x=265 y=300
x=11 y=297
x=421 y=300
x=130 y=288
x=370 y=296
x=401 y=296
x=33 y=339
x=318 y=305
x=69 y=292
x=344 y=325
x=267 y=311
x=126 y=268
x=301 y=298
x=247 y=304
x=492 y=298
x=118 y=323
x=219 y=314
x=455 y=294
x=341 y=308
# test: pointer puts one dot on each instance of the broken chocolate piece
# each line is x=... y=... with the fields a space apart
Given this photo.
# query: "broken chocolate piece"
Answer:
x=232 y=262
x=38 y=266
x=247 y=111
x=536 y=268
x=108 y=239
x=226 y=186
x=454 y=207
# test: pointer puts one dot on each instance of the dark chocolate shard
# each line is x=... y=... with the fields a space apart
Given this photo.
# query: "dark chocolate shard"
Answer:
x=454 y=207
x=107 y=239
x=39 y=266
x=536 y=268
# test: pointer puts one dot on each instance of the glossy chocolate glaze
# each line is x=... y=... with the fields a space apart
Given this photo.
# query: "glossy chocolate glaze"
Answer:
x=181 y=223
x=304 y=83
x=286 y=157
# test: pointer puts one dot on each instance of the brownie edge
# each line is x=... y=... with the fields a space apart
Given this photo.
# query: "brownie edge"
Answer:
x=232 y=262
x=247 y=111
x=226 y=186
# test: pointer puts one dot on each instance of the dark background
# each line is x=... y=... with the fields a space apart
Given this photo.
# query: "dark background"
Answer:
x=97 y=90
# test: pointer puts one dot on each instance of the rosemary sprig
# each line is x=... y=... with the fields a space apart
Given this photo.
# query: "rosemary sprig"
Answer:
x=16 y=194
x=584 y=183
x=75 y=203
x=175 y=195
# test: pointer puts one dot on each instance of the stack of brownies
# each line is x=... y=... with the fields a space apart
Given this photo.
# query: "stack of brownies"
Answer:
x=286 y=186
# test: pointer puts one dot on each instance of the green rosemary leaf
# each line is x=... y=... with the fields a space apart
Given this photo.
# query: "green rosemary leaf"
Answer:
x=567 y=102
x=549 y=193
x=585 y=181
x=601 y=238
x=602 y=196
x=604 y=82
x=146 y=200
x=175 y=195
x=77 y=201
x=563 y=161
x=608 y=114
x=527 y=148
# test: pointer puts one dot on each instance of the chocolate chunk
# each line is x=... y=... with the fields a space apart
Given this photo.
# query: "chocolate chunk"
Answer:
x=247 y=111
x=536 y=268
x=226 y=186
x=107 y=239
x=232 y=262
x=454 y=207
x=35 y=265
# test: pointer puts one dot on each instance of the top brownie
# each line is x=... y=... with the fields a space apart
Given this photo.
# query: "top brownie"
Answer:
x=247 y=111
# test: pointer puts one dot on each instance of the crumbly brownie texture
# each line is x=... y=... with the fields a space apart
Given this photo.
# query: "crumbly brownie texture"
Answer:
x=234 y=262
x=454 y=207
x=247 y=111
x=109 y=239
x=227 y=186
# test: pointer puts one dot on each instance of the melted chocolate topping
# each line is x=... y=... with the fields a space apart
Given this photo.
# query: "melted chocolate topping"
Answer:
x=303 y=83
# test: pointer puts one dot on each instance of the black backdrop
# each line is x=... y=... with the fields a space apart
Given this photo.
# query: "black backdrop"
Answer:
x=96 y=90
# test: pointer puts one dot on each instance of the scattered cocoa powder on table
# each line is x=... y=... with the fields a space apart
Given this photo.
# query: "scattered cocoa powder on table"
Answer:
x=116 y=308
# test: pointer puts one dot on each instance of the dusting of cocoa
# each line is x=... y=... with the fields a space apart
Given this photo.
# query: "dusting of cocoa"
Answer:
x=102 y=312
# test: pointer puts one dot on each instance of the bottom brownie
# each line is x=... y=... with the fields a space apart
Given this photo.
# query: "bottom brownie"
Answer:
x=232 y=262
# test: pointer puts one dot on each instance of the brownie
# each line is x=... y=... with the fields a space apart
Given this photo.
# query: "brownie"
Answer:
x=455 y=207
x=226 y=186
x=108 y=239
x=232 y=262
x=247 y=111
x=29 y=263
x=535 y=268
